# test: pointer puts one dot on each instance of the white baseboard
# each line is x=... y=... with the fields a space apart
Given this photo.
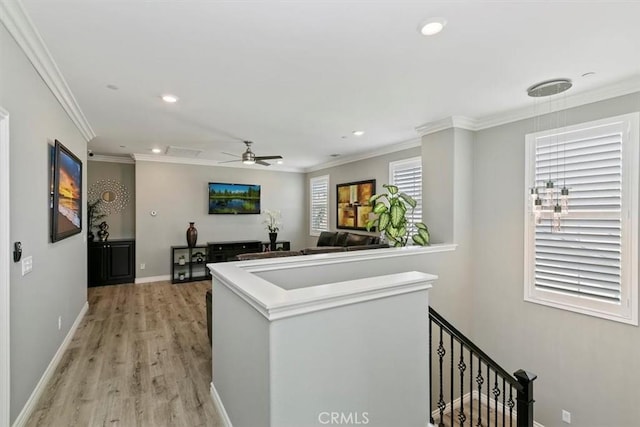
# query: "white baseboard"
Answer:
x=29 y=407
x=482 y=398
x=224 y=417
x=152 y=279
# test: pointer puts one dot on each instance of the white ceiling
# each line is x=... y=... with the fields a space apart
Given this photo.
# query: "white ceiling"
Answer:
x=297 y=77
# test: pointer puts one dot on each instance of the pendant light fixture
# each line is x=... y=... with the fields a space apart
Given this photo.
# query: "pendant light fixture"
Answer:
x=550 y=198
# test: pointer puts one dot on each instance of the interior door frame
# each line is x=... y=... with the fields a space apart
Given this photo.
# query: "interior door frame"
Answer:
x=5 y=275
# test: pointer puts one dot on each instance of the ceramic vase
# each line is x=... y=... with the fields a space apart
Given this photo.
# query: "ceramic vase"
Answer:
x=192 y=235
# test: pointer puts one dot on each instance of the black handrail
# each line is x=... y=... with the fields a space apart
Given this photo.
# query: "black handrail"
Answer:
x=521 y=380
x=442 y=322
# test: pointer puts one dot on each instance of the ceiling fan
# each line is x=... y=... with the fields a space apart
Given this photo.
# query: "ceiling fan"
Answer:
x=249 y=157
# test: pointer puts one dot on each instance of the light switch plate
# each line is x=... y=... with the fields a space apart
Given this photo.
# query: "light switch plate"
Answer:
x=27 y=265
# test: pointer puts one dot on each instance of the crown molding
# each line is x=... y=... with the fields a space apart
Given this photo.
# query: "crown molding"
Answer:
x=619 y=88
x=21 y=28
x=460 y=122
x=207 y=162
x=412 y=143
x=111 y=159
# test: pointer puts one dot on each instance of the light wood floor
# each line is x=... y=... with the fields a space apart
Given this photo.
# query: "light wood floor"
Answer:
x=141 y=357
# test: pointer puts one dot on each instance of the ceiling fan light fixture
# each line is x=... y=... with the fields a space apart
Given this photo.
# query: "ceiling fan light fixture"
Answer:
x=248 y=158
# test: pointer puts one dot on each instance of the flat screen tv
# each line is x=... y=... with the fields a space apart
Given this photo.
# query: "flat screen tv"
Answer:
x=234 y=198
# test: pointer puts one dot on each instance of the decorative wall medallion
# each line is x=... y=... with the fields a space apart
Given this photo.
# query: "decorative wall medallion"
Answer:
x=113 y=195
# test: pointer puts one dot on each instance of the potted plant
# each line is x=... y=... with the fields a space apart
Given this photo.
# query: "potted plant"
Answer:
x=93 y=216
x=272 y=223
x=391 y=210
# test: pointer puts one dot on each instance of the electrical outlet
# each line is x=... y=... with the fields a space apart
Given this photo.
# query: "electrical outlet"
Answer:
x=143 y=266
x=566 y=416
x=59 y=322
x=27 y=265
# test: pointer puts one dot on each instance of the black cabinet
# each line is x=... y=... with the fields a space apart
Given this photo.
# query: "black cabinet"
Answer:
x=111 y=262
x=189 y=264
x=226 y=251
x=280 y=245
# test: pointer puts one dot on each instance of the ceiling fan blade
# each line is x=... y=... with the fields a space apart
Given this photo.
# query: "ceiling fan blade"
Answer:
x=229 y=154
x=231 y=161
x=263 y=163
x=268 y=157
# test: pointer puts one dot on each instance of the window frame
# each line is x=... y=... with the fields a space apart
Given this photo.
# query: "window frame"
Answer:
x=326 y=179
x=410 y=162
x=627 y=310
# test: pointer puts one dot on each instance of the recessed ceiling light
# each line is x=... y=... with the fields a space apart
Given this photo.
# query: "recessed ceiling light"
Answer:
x=169 y=98
x=588 y=74
x=358 y=132
x=334 y=155
x=280 y=161
x=432 y=26
x=156 y=150
x=112 y=87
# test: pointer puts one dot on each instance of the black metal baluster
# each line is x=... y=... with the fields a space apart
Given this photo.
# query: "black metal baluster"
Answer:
x=462 y=367
x=430 y=368
x=451 y=377
x=479 y=381
x=496 y=395
x=504 y=394
x=470 y=388
x=441 y=353
x=511 y=404
x=488 y=393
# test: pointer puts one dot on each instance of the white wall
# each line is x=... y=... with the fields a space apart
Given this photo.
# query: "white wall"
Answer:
x=586 y=365
x=179 y=194
x=58 y=284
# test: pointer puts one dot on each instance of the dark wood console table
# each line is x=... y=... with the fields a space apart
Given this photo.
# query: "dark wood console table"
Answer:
x=225 y=251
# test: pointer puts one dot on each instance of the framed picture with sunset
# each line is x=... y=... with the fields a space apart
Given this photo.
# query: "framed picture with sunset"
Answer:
x=66 y=214
x=353 y=204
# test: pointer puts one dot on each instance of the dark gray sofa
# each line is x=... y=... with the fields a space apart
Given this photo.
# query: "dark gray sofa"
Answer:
x=341 y=241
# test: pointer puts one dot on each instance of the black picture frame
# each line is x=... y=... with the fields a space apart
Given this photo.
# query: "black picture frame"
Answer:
x=352 y=204
x=67 y=200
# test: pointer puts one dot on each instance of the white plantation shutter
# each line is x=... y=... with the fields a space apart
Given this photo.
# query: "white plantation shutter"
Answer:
x=407 y=176
x=587 y=266
x=319 y=195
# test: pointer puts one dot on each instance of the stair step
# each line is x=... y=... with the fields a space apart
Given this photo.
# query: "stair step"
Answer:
x=451 y=420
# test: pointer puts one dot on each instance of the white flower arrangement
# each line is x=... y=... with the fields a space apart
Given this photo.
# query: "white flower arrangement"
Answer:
x=272 y=220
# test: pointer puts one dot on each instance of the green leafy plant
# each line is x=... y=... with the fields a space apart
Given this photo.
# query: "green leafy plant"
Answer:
x=94 y=214
x=391 y=210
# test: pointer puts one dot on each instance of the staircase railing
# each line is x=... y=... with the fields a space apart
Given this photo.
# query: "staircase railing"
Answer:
x=489 y=399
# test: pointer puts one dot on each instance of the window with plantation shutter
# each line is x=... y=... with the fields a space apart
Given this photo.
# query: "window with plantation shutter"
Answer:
x=407 y=176
x=319 y=195
x=588 y=263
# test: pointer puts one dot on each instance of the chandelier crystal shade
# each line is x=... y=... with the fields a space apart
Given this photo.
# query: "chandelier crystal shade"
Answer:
x=550 y=195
